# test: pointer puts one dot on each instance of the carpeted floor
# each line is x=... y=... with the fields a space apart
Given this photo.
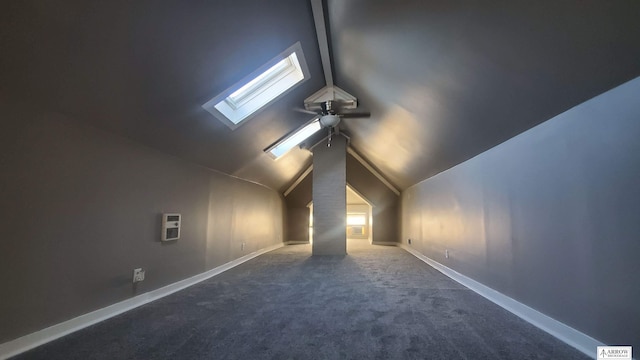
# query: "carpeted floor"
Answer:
x=376 y=303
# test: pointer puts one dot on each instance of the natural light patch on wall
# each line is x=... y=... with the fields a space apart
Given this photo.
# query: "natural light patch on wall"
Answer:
x=357 y=219
x=359 y=216
x=274 y=79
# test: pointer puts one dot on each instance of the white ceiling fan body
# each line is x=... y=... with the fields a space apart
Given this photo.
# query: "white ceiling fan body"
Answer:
x=329 y=120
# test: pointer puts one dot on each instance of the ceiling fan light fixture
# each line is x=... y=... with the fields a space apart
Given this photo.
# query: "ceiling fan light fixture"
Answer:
x=329 y=120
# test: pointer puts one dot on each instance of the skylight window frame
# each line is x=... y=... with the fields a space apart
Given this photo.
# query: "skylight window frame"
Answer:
x=263 y=84
x=235 y=112
x=270 y=150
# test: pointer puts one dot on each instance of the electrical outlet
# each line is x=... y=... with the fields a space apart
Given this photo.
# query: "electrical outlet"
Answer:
x=138 y=275
x=242 y=246
x=409 y=241
x=446 y=253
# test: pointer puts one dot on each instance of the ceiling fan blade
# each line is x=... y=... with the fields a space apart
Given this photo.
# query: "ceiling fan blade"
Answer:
x=362 y=114
x=305 y=111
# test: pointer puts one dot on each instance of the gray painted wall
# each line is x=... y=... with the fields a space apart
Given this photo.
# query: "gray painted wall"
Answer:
x=240 y=213
x=81 y=208
x=330 y=197
x=384 y=201
x=297 y=224
x=550 y=217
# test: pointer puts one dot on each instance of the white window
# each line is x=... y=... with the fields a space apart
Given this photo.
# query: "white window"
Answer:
x=356 y=219
x=289 y=142
x=262 y=87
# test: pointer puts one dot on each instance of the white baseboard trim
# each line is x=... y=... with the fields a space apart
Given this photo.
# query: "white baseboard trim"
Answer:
x=385 y=243
x=296 y=242
x=30 y=341
x=567 y=334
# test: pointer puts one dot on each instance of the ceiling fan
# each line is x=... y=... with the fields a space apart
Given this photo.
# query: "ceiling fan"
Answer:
x=329 y=105
x=329 y=113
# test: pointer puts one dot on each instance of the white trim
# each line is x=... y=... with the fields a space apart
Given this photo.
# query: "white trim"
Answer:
x=291 y=140
x=375 y=173
x=567 y=334
x=296 y=242
x=299 y=180
x=385 y=243
x=30 y=341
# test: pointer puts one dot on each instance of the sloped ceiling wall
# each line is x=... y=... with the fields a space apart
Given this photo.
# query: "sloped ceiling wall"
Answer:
x=447 y=80
x=444 y=80
x=142 y=69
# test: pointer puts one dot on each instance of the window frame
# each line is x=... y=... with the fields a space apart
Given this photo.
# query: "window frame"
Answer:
x=236 y=109
x=270 y=149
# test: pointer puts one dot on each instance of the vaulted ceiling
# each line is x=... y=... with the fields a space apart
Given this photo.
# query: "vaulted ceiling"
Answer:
x=444 y=81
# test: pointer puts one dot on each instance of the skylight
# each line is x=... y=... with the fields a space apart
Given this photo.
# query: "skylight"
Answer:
x=262 y=87
x=294 y=139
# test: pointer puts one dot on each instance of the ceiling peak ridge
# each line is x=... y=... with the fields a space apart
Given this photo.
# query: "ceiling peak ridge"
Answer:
x=330 y=93
x=323 y=42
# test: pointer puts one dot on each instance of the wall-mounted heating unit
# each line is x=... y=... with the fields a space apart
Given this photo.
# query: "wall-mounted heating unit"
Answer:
x=171 y=226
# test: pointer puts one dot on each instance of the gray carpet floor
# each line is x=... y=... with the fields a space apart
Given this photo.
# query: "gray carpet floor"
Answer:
x=378 y=302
